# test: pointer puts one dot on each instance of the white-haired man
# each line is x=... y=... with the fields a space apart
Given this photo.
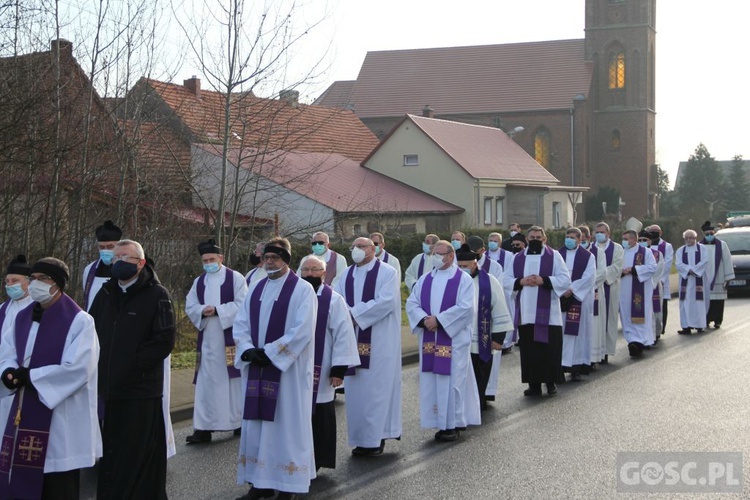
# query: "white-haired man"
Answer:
x=691 y=261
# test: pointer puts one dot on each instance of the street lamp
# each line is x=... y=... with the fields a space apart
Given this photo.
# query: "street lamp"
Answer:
x=516 y=130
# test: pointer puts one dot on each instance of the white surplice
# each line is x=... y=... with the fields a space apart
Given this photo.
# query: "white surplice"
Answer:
x=69 y=389
x=373 y=395
x=599 y=326
x=340 y=265
x=612 y=274
x=279 y=454
x=527 y=297
x=412 y=272
x=255 y=274
x=218 y=399
x=693 y=311
x=577 y=348
x=638 y=332
x=12 y=308
x=448 y=401
x=657 y=282
x=505 y=278
x=724 y=273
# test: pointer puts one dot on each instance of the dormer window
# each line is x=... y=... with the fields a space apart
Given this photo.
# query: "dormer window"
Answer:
x=411 y=160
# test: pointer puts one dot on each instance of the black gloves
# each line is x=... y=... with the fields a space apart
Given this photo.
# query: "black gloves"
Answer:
x=257 y=356
x=20 y=374
x=338 y=371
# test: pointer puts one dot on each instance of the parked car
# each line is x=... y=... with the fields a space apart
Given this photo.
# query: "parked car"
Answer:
x=738 y=240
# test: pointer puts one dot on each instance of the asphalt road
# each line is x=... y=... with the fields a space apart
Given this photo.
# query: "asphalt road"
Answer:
x=687 y=394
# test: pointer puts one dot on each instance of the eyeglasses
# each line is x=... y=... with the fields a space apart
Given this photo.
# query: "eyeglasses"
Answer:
x=41 y=277
x=312 y=269
x=125 y=258
x=442 y=254
x=319 y=243
x=361 y=246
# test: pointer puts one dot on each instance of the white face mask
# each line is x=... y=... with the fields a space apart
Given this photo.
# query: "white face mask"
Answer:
x=437 y=261
x=39 y=291
x=358 y=255
x=513 y=233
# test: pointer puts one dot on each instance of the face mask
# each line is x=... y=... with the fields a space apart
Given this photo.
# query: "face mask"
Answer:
x=254 y=260
x=319 y=249
x=625 y=244
x=467 y=270
x=211 y=268
x=15 y=292
x=106 y=256
x=493 y=246
x=600 y=237
x=535 y=246
x=315 y=281
x=644 y=244
x=358 y=255
x=710 y=237
x=513 y=233
x=378 y=249
x=456 y=244
x=585 y=244
x=570 y=243
x=123 y=270
x=516 y=249
x=271 y=272
x=437 y=261
x=426 y=248
x=39 y=292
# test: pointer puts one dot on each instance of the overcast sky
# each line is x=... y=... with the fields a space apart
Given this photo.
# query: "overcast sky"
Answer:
x=702 y=69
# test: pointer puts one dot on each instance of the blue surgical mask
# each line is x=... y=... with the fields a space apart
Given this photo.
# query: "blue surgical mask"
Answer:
x=625 y=244
x=15 y=292
x=106 y=256
x=570 y=243
x=585 y=244
x=211 y=267
x=377 y=249
x=644 y=244
x=710 y=237
x=467 y=270
x=600 y=237
x=318 y=249
x=456 y=244
x=493 y=246
x=426 y=248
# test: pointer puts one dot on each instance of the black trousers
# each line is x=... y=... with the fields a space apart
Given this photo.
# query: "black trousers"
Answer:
x=324 y=435
x=62 y=485
x=664 y=314
x=715 y=312
x=541 y=362
x=482 y=371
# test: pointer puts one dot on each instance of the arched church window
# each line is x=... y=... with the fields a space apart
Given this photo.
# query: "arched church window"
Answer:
x=542 y=151
x=615 y=140
x=617 y=70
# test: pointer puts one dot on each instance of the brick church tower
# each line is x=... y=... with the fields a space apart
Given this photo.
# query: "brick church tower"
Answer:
x=620 y=36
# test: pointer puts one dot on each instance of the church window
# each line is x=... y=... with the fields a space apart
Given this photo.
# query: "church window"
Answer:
x=411 y=160
x=617 y=70
x=615 y=140
x=542 y=152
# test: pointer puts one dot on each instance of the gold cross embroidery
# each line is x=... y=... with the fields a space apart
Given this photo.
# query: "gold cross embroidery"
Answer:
x=363 y=349
x=443 y=351
x=30 y=448
x=428 y=347
x=637 y=299
x=230 y=352
x=291 y=468
x=486 y=324
x=5 y=454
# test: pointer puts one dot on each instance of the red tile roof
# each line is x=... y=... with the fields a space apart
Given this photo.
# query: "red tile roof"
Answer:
x=268 y=123
x=484 y=152
x=474 y=79
x=341 y=184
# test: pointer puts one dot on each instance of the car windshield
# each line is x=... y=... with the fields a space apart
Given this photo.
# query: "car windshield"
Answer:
x=738 y=242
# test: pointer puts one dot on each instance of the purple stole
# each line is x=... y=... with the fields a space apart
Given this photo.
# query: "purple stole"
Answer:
x=502 y=257
x=331 y=268
x=364 y=337
x=573 y=315
x=544 y=295
x=385 y=256
x=595 y=252
x=26 y=435
x=484 y=319
x=637 y=289
x=717 y=258
x=262 y=392
x=698 y=279
x=324 y=308
x=250 y=275
x=609 y=255
x=226 y=295
x=486 y=264
x=437 y=346
x=90 y=282
x=657 y=296
x=3 y=310
x=420 y=271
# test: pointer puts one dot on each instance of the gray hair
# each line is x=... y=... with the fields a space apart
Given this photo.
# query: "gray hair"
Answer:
x=138 y=248
x=315 y=258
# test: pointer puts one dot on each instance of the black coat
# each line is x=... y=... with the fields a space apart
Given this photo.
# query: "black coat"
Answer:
x=136 y=333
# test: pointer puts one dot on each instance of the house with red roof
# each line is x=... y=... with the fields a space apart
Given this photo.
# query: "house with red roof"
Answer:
x=480 y=169
x=583 y=108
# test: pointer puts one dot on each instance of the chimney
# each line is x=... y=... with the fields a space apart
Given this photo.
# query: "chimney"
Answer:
x=428 y=112
x=61 y=47
x=193 y=85
x=290 y=96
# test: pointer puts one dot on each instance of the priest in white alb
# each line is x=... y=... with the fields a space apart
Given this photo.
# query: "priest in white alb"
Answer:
x=211 y=305
x=636 y=294
x=373 y=390
x=442 y=311
x=691 y=262
x=274 y=333
x=719 y=272
x=613 y=254
x=421 y=263
x=17 y=289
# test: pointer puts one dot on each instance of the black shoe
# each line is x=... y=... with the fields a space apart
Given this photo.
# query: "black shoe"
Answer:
x=605 y=361
x=257 y=494
x=684 y=331
x=635 y=349
x=489 y=398
x=533 y=391
x=361 y=451
x=551 y=390
x=575 y=377
x=199 y=437
x=699 y=330
x=506 y=350
x=237 y=431
x=717 y=326
x=284 y=495
x=447 y=435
